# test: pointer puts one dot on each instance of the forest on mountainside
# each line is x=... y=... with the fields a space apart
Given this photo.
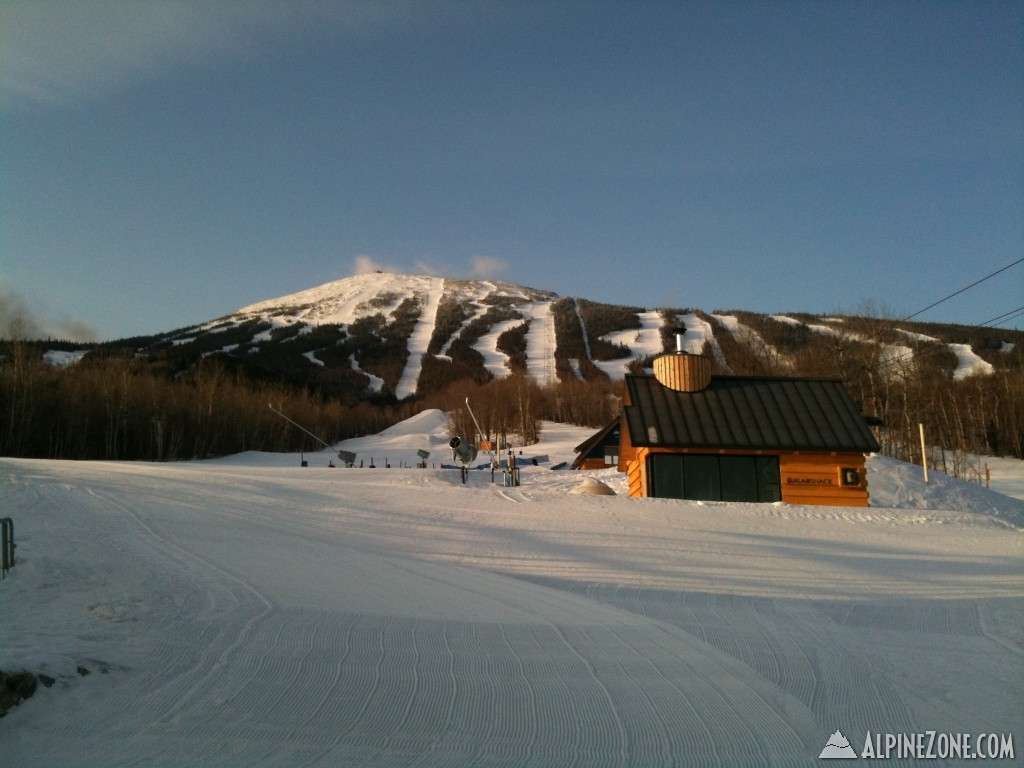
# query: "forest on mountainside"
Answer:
x=186 y=401
x=123 y=407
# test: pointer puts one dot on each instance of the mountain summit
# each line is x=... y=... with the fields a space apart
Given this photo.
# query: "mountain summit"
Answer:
x=392 y=336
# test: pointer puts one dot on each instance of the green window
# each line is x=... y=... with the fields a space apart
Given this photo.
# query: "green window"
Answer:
x=714 y=478
x=701 y=478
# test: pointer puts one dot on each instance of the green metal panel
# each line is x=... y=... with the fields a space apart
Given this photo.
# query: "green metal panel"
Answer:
x=713 y=478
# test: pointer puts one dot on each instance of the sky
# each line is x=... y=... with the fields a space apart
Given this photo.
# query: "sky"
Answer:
x=165 y=163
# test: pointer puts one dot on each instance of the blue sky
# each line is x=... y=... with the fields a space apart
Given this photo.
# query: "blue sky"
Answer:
x=165 y=163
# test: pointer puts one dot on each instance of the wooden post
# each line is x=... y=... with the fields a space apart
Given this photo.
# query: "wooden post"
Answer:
x=924 y=454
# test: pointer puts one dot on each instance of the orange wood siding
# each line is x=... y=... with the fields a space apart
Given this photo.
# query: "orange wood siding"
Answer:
x=814 y=478
x=807 y=478
x=636 y=475
x=683 y=373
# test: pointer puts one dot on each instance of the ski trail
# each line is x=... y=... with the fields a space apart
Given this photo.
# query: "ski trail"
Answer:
x=704 y=333
x=583 y=328
x=540 y=344
x=642 y=342
x=420 y=340
x=496 y=361
x=376 y=382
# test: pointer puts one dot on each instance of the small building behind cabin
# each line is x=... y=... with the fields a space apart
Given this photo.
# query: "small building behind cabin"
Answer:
x=601 y=450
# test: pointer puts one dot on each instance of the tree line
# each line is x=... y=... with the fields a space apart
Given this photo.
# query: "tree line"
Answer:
x=115 y=404
x=902 y=382
x=123 y=407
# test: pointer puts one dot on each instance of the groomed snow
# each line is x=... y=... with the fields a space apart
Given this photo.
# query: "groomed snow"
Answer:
x=541 y=344
x=968 y=361
x=642 y=342
x=250 y=612
x=419 y=341
x=496 y=361
x=698 y=333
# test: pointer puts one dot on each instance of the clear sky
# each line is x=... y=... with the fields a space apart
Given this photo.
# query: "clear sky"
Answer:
x=164 y=163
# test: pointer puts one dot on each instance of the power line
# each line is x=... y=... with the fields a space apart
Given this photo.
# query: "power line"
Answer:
x=965 y=288
x=911 y=354
x=1004 y=318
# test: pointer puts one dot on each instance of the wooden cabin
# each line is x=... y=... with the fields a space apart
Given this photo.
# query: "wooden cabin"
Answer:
x=689 y=435
x=601 y=450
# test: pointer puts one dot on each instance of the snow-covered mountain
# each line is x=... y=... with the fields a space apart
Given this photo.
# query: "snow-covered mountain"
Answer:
x=399 y=335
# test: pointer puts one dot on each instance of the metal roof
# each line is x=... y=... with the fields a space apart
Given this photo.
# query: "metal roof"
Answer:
x=747 y=412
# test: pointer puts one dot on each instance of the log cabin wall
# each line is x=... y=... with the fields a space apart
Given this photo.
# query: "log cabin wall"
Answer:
x=834 y=479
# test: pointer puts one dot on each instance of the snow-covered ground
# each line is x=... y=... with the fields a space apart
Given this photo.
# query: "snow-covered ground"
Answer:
x=61 y=359
x=541 y=343
x=419 y=341
x=968 y=361
x=495 y=361
x=642 y=342
x=250 y=612
x=698 y=333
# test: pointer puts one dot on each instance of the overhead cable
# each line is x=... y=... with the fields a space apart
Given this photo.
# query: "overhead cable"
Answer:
x=1004 y=318
x=965 y=288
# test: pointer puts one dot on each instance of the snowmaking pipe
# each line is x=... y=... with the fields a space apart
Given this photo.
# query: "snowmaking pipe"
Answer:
x=479 y=431
x=326 y=445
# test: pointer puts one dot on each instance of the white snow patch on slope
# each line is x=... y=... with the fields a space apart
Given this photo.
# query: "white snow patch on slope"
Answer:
x=496 y=361
x=61 y=359
x=341 y=301
x=826 y=330
x=540 y=343
x=275 y=323
x=699 y=332
x=419 y=340
x=895 y=355
x=642 y=342
x=376 y=382
x=751 y=338
x=968 y=361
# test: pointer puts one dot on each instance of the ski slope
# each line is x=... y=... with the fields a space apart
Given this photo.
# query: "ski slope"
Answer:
x=642 y=342
x=344 y=302
x=248 y=611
